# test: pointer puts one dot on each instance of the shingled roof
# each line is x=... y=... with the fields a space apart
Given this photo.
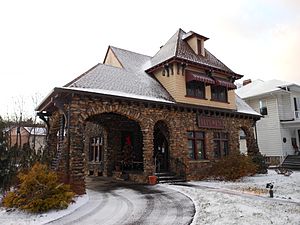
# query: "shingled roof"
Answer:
x=130 y=81
x=177 y=47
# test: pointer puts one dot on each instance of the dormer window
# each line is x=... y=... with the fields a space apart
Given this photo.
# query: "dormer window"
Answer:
x=196 y=42
x=200 y=47
x=219 y=93
x=196 y=82
x=195 y=89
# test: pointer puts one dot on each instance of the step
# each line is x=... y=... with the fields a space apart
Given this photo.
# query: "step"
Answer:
x=171 y=181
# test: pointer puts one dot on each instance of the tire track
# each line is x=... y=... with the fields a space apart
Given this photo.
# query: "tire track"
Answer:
x=75 y=220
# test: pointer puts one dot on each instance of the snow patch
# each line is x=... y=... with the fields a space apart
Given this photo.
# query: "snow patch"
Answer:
x=18 y=217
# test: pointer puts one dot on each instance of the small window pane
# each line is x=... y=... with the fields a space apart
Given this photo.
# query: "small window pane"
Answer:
x=191 y=134
x=199 y=135
x=217 y=150
x=200 y=148
x=191 y=149
x=216 y=135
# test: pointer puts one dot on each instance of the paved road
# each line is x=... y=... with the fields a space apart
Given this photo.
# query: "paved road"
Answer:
x=115 y=203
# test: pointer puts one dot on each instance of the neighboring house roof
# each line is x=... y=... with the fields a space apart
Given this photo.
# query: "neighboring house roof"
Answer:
x=39 y=131
x=176 y=47
x=260 y=87
x=243 y=107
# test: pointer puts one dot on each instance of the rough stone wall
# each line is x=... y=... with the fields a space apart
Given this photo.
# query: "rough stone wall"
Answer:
x=177 y=121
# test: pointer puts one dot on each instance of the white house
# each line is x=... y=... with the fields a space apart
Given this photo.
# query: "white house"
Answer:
x=278 y=132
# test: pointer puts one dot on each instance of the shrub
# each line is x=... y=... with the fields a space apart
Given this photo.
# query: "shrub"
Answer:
x=39 y=191
x=232 y=167
x=260 y=161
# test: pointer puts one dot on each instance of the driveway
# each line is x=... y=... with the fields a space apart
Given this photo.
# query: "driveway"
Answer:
x=118 y=202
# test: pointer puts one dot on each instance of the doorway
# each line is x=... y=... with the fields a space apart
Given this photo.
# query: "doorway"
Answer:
x=161 y=147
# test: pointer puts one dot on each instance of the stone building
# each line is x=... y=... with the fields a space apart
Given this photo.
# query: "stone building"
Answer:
x=136 y=115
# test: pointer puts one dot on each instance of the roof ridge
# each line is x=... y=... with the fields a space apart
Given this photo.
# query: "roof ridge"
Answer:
x=122 y=49
x=177 y=42
x=80 y=76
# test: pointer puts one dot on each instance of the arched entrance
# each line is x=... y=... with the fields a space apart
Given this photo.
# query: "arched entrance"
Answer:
x=120 y=141
x=243 y=142
x=161 y=147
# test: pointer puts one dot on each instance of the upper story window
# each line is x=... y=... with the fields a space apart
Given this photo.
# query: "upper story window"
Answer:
x=219 y=93
x=297 y=107
x=196 y=145
x=263 y=107
x=195 y=89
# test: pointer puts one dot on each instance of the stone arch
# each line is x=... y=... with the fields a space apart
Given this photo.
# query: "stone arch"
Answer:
x=251 y=144
x=124 y=142
x=243 y=141
x=129 y=112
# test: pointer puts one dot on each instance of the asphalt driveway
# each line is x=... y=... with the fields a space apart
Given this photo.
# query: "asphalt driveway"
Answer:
x=117 y=202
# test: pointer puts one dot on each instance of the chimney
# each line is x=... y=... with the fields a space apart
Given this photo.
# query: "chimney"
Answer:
x=248 y=81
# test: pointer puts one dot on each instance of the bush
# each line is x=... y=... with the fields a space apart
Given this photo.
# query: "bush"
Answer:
x=39 y=191
x=260 y=161
x=232 y=167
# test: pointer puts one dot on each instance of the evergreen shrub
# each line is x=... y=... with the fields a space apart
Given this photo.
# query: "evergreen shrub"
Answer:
x=260 y=161
x=39 y=191
x=232 y=167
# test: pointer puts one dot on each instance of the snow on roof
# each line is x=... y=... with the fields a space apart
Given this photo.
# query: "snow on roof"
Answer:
x=39 y=131
x=109 y=79
x=177 y=47
x=132 y=61
x=117 y=93
x=260 y=87
x=243 y=107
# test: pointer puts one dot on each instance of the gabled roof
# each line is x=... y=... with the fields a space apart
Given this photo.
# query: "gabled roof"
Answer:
x=177 y=47
x=260 y=87
x=119 y=81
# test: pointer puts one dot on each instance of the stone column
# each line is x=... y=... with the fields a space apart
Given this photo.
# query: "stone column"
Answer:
x=148 y=148
x=251 y=142
x=76 y=154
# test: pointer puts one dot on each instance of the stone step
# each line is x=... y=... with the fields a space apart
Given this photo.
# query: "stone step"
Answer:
x=171 y=181
x=168 y=178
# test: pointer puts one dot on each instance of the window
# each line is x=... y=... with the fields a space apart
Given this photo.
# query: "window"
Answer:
x=263 y=107
x=219 y=93
x=95 y=153
x=195 y=89
x=297 y=104
x=196 y=146
x=220 y=144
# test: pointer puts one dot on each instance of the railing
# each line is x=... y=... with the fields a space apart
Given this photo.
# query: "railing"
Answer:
x=297 y=115
x=180 y=167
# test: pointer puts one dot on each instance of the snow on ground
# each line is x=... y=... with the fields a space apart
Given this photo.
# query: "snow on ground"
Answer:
x=243 y=202
x=17 y=217
x=246 y=201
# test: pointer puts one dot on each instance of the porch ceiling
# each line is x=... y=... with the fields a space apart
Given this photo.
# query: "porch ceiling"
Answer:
x=291 y=124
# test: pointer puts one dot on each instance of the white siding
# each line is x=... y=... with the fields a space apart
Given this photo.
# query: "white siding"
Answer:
x=287 y=147
x=268 y=128
x=284 y=107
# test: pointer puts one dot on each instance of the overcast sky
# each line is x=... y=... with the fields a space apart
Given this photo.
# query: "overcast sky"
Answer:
x=45 y=44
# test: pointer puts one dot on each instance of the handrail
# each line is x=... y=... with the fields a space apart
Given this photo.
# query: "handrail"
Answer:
x=180 y=166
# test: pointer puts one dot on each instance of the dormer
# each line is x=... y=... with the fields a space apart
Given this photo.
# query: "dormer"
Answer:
x=196 y=42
